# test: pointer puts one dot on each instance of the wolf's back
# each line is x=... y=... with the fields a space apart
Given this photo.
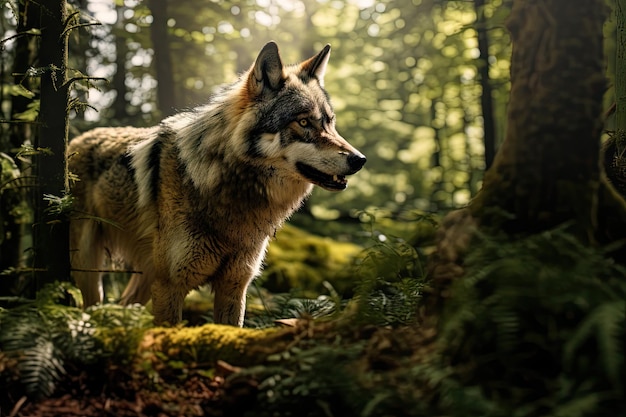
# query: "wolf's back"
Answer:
x=95 y=151
x=100 y=160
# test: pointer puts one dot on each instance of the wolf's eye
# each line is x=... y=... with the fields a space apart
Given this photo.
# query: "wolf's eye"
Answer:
x=303 y=122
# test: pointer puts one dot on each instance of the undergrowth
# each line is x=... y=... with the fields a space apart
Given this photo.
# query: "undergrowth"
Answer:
x=535 y=327
x=390 y=282
x=44 y=334
x=539 y=324
x=387 y=281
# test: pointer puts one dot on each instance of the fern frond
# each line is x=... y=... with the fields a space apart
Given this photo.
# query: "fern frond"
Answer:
x=391 y=282
x=537 y=313
x=581 y=406
x=40 y=368
x=282 y=306
x=43 y=335
x=605 y=324
x=109 y=316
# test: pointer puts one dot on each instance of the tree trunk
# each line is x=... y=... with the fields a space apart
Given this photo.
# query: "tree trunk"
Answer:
x=163 y=62
x=51 y=230
x=620 y=70
x=486 y=98
x=19 y=134
x=612 y=218
x=119 y=78
x=547 y=172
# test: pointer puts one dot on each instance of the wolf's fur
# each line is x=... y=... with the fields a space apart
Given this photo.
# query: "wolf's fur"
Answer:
x=196 y=199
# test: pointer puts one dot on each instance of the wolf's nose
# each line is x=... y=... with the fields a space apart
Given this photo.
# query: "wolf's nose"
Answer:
x=356 y=161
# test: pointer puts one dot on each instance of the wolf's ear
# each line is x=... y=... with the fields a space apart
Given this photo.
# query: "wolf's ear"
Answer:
x=267 y=71
x=316 y=66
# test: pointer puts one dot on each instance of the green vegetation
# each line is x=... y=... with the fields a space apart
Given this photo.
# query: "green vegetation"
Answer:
x=535 y=328
x=297 y=260
x=372 y=301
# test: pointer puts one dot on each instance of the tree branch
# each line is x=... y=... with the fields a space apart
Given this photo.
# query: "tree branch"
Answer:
x=125 y=271
x=31 y=32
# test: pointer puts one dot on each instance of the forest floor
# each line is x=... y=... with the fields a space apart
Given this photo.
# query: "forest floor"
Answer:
x=197 y=395
x=220 y=389
x=509 y=343
x=121 y=391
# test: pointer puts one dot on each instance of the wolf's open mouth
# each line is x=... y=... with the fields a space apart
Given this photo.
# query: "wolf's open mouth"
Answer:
x=329 y=182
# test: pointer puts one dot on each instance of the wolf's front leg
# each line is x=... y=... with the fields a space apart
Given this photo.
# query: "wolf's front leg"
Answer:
x=167 y=302
x=230 y=283
x=230 y=301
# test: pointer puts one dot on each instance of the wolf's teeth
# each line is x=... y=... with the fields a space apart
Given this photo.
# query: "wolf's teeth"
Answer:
x=335 y=178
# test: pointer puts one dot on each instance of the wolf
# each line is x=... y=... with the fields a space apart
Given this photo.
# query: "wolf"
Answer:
x=196 y=199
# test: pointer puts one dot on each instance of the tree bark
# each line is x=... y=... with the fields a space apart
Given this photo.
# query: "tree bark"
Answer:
x=119 y=78
x=620 y=69
x=19 y=134
x=547 y=172
x=51 y=231
x=163 y=62
x=614 y=149
x=486 y=98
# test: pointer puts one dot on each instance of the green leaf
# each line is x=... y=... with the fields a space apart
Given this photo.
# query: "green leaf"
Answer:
x=30 y=114
x=579 y=407
x=20 y=90
x=33 y=31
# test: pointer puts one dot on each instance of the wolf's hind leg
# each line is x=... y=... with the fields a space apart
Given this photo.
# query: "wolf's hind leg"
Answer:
x=137 y=290
x=87 y=253
x=90 y=285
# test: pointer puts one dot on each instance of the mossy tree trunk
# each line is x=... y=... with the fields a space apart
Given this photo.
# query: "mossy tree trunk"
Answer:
x=51 y=230
x=547 y=172
x=620 y=69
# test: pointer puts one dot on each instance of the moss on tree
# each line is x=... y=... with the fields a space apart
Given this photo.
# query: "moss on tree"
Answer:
x=547 y=172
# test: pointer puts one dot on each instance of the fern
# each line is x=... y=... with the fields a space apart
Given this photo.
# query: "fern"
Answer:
x=284 y=306
x=119 y=329
x=44 y=336
x=39 y=334
x=24 y=336
x=582 y=406
x=391 y=280
x=605 y=324
x=308 y=381
x=111 y=316
x=40 y=367
x=539 y=313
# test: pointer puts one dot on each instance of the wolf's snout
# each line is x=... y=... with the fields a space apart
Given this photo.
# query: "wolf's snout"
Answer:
x=356 y=161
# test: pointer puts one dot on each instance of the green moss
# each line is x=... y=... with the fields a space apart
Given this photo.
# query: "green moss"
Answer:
x=303 y=261
x=212 y=342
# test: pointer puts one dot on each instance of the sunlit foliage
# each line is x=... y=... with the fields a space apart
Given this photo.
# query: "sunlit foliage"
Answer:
x=402 y=76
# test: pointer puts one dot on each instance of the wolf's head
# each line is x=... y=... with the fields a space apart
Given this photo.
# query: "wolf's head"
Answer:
x=294 y=130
